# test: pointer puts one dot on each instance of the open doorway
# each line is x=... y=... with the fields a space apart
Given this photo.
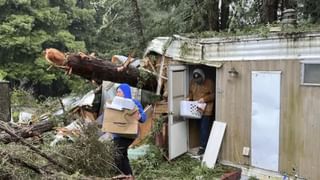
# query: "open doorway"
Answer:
x=183 y=134
x=194 y=126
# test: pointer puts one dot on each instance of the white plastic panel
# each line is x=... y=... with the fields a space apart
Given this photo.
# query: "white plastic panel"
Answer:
x=214 y=144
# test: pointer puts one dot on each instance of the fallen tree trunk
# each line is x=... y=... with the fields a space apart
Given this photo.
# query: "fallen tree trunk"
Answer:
x=98 y=70
x=34 y=130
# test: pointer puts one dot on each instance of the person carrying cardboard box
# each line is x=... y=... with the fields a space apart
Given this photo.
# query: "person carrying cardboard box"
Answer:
x=123 y=141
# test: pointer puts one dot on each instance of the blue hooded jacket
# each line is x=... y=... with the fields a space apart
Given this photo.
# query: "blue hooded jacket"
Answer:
x=125 y=88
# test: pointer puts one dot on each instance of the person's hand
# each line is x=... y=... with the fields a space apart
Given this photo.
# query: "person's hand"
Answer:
x=201 y=100
x=137 y=115
x=200 y=109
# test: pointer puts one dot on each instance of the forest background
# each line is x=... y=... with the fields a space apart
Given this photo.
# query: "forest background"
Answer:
x=109 y=27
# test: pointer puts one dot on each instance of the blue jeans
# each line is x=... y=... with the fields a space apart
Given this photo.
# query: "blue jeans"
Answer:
x=205 y=124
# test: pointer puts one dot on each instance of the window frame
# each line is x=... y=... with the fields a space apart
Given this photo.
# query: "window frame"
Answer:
x=303 y=63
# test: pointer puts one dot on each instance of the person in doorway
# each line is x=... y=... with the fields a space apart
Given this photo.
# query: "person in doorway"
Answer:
x=122 y=143
x=202 y=90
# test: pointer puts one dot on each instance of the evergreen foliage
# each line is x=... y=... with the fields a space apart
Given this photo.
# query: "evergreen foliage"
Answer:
x=27 y=27
x=110 y=27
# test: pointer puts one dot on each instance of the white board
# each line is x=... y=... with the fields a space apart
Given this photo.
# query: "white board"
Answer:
x=214 y=143
x=265 y=119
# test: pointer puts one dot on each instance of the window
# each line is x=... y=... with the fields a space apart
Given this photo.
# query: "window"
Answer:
x=310 y=73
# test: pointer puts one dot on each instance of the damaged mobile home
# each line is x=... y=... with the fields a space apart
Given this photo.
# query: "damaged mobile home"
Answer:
x=266 y=91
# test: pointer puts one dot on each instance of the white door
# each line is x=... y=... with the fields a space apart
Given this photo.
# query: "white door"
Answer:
x=177 y=126
x=265 y=119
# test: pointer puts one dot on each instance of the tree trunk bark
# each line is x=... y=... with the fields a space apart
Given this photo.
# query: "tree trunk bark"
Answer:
x=224 y=14
x=99 y=70
x=213 y=15
x=289 y=4
x=269 y=11
x=27 y=132
x=137 y=18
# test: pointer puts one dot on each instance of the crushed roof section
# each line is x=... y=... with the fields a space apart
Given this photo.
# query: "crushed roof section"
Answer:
x=281 y=46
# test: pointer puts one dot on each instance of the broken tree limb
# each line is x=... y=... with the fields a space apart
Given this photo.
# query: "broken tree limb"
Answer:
x=160 y=82
x=98 y=70
x=160 y=74
x=61 y=175
x=20 y=162
x=4 y=127
x=31 y=131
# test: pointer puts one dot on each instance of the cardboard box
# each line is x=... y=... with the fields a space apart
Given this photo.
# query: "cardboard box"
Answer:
x=120 y=122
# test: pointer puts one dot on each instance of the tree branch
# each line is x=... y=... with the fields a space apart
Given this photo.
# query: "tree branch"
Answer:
x=22 y=163
x=34 y=130
x=4 y=127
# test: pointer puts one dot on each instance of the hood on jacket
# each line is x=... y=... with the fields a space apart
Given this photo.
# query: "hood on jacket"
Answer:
x=125 y=88
x=198 y=75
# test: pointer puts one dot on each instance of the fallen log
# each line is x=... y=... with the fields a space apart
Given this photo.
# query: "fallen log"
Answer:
x=26 y=132
x=22 y=163
x=92 y=68
x=3 y=126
